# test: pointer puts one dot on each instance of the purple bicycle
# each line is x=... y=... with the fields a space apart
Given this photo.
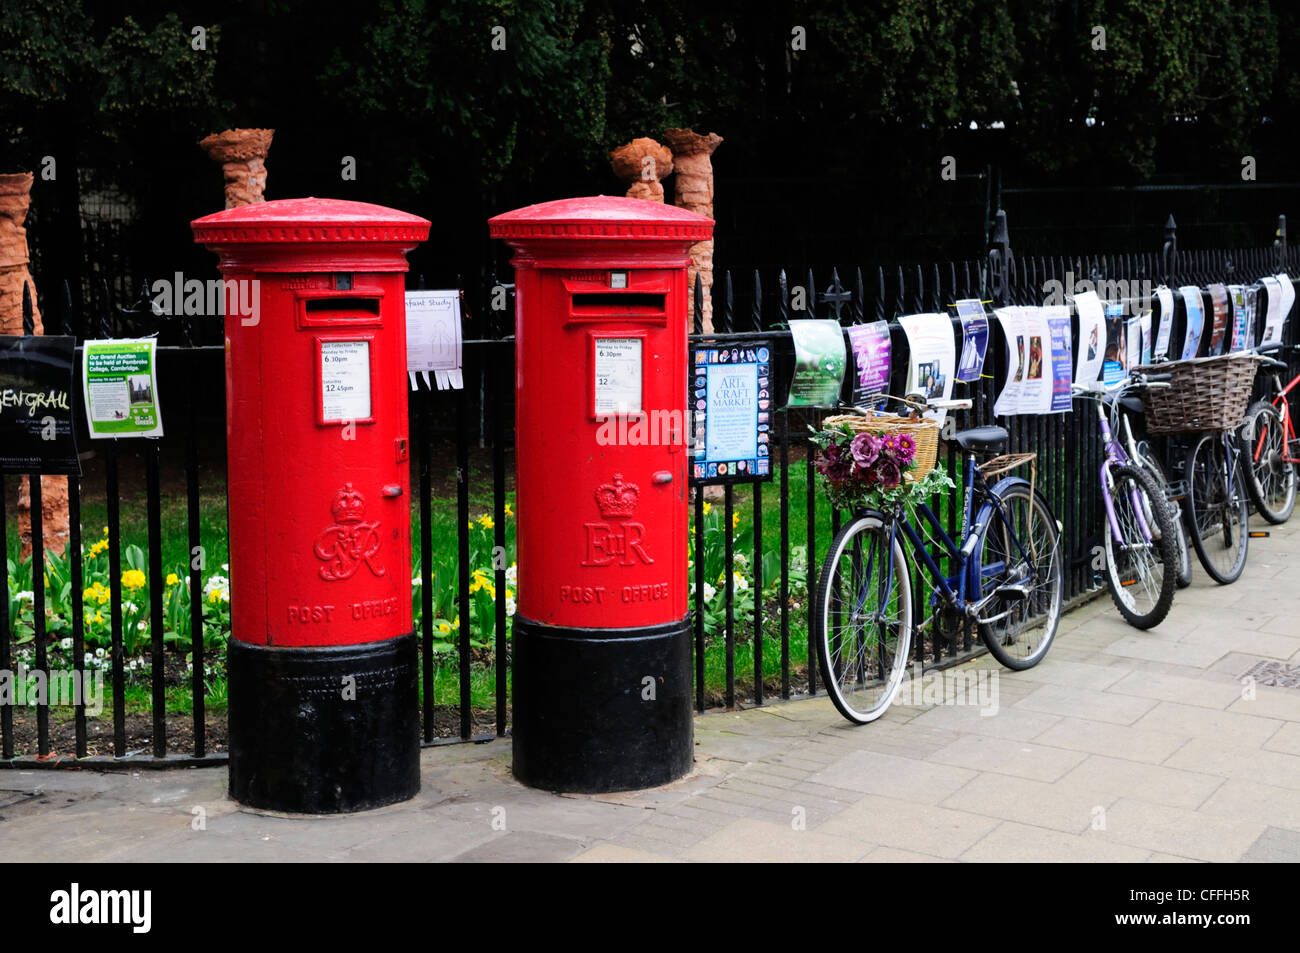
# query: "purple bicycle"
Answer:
x=1139 y=549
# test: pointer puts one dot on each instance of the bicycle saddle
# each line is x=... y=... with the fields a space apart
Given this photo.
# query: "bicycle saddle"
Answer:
x=981 y=438
x=1133 y=405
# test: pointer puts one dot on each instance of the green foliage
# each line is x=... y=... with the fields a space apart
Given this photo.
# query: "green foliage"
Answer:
x=467 y=112
x=59 y=66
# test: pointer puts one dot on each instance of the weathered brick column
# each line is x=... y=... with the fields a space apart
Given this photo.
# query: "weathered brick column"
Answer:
x=15 y=199
x=643 y=164
x=693 y=190
x=242 y=154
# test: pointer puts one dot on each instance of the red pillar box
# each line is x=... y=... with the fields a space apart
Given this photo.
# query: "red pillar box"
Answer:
x=601 y=669
x=322 y=663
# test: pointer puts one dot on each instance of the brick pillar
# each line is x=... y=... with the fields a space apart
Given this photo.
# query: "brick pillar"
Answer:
x=15 y=199
x=242 y=154
x=693 y=189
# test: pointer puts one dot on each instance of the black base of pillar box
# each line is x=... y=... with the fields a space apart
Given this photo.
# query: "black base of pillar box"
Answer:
x=298 y=744
x=584 y=717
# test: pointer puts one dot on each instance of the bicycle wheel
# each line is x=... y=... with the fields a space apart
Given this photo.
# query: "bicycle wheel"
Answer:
x=1270 y=479
x=1022 y=577
x=863 y=623
x=1183 y=549
x=1141 y=563
x=1218 y=511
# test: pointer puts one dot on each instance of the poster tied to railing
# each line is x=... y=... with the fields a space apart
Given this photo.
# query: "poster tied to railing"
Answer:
x=932 y=358
x=1281 y=295
x=36 y=433
x=871 y=350
x=433 y=338
x=974 y=339
x=119 y=381
x=1038 y=361
x=819 y=362
x=732 y=413
x=1092 y=336
x=1243 y=316
x=1195 y=324
x=1165 y=298
x=1222 y=309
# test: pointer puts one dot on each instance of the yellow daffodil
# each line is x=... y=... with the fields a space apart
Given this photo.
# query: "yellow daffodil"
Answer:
x=172 y=579
x=509 y=511
x=444 y=627
x=133 y=579
x=708 y=507
x=105 y=530
x=486 y=521
x=735 y=520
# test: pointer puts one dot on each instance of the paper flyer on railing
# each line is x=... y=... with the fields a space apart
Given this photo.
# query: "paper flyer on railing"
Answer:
x=120 y=388
x=1092 y=336
x=819 y=362
x=1058 y=324
x=1036 y=398
x=1288 y=295
x=870 y=344
x=1009 y=398
x=1275 y=316
x=1133 y=343
x=1222 y=309
x=433 y=337
x=974 y=339
x=1195 y=310
x=1243 y=316
x=1115 y=367
x=932 y=357
x=1165 y=296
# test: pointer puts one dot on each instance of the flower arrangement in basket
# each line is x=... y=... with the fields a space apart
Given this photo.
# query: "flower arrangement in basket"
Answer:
x=878 y=461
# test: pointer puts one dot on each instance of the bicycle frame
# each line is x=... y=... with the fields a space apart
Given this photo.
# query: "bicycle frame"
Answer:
x=954 y=589
x=1117 y=457
x=1288 y=428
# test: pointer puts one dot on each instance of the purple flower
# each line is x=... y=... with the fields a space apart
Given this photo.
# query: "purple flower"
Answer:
x=865 y=448
x=888 y=472
x=906 y=447
x=834 y=463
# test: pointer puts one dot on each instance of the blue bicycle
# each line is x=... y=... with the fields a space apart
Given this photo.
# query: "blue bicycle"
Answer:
x=1006 y=575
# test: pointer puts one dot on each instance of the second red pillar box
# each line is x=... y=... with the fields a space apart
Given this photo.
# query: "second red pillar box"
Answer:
x=601 y=669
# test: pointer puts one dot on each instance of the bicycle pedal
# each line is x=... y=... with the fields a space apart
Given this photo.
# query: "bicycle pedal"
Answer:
x=1174 y=492
x=1258 y=534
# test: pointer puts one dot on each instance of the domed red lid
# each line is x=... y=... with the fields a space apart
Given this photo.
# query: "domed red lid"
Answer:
x=309 y=220
x=602 y=217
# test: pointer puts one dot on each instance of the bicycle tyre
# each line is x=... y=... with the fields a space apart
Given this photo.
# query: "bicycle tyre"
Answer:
x=1148 y=461
x=1000 y=635
x=1218 y=516
x=1127 y=568
x=1270 y=475
x=863 y=536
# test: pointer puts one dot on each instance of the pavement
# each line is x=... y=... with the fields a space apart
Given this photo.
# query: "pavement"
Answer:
x=1181 y=743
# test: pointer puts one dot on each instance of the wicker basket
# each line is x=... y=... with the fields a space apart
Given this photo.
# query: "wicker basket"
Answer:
x=924 y=432
x=1205 y=393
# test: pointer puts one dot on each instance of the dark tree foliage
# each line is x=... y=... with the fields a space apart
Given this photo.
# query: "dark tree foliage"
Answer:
x=838 y=116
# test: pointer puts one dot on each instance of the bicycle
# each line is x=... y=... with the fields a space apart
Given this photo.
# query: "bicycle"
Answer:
x=1268 y=437
x=1140 y=532
x=1216 y=504
x=1008 y=578
x=1141 y=453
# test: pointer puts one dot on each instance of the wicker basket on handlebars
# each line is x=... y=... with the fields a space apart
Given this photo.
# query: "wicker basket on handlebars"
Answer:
x=1204 y=393
x=924 y=432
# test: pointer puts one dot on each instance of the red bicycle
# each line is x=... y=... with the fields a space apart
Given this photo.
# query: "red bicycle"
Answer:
x=1269 y=442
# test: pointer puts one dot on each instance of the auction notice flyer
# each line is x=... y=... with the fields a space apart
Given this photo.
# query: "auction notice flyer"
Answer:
x=118 y=378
